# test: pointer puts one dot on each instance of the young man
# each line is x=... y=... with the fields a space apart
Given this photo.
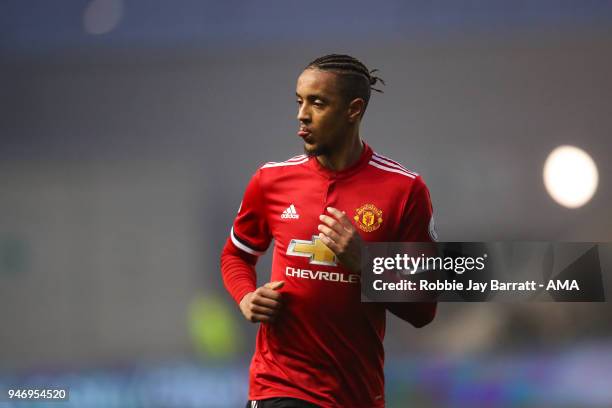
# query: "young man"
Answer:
x=318 y=345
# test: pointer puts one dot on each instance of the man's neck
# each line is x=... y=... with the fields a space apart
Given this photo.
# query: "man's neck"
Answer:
x=344 y=157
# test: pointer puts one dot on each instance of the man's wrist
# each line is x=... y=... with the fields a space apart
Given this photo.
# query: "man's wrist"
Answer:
x=244 y=297
x=242 y=291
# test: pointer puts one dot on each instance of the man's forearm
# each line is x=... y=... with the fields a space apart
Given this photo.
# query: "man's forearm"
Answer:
x=238 y=271
x=418 y=314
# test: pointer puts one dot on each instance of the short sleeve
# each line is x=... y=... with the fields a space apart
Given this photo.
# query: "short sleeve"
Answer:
x=417 y=218
x=250 y=231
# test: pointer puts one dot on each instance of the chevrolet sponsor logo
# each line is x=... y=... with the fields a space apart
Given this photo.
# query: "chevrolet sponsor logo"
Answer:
x=314 y=249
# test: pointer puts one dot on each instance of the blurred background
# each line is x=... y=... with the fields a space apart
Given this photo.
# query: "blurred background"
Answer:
x=128 y=132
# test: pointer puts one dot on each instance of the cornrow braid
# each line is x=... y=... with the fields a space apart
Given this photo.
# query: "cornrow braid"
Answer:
x=356 y=80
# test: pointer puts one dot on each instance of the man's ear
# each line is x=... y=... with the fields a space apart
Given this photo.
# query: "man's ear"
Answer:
x=355 y=109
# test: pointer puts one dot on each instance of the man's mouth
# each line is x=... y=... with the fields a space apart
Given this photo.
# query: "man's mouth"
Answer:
x=304 y=132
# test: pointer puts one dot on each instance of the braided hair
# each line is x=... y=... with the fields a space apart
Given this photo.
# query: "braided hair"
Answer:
x=355 y=80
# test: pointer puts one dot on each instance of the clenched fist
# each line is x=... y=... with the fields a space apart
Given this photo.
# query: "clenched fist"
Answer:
x=263 y=304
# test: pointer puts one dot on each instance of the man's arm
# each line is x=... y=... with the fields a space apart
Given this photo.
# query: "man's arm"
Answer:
x=418 y=314
x=337 y=232
x=417 y=226
x=249 y=238
x=238 y=271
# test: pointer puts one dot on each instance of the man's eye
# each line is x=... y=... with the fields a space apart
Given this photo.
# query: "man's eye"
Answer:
x=318 y=103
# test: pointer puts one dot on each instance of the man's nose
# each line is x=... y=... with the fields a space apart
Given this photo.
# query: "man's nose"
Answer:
x=303 y=115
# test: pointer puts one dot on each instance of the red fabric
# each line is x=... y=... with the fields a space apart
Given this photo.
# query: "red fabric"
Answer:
x=238 y=271
x=417 y=314
x=326 y=346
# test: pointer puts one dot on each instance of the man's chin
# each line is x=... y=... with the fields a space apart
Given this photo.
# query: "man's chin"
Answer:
x=314 y=149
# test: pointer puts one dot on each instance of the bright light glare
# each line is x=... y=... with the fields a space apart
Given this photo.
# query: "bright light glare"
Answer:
x=570 y=176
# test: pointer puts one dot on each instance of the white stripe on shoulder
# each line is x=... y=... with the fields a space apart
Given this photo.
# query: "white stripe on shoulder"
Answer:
x=391 y=169
x=299 y=158
x=245 y=248
x=392 y=163
x=296 y=158
x=285 y=163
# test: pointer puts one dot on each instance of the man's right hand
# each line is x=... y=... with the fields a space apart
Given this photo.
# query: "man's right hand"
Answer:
x=264 y=304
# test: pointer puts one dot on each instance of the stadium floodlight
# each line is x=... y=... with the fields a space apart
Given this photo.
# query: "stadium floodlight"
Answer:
x=570 y=176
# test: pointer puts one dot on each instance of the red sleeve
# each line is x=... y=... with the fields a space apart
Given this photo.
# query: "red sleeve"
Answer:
x=417 y=217
x=417 y=314
x=417 y=226
x=238 y=271
x=249 y=238
x=250 y=232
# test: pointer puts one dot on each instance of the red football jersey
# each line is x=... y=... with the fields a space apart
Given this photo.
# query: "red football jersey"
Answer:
x=326 y=347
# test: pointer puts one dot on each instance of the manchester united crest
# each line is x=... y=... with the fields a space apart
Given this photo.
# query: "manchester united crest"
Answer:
x=368 y=217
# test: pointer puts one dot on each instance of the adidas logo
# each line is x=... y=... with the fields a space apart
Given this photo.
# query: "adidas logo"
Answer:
x=290 y=212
